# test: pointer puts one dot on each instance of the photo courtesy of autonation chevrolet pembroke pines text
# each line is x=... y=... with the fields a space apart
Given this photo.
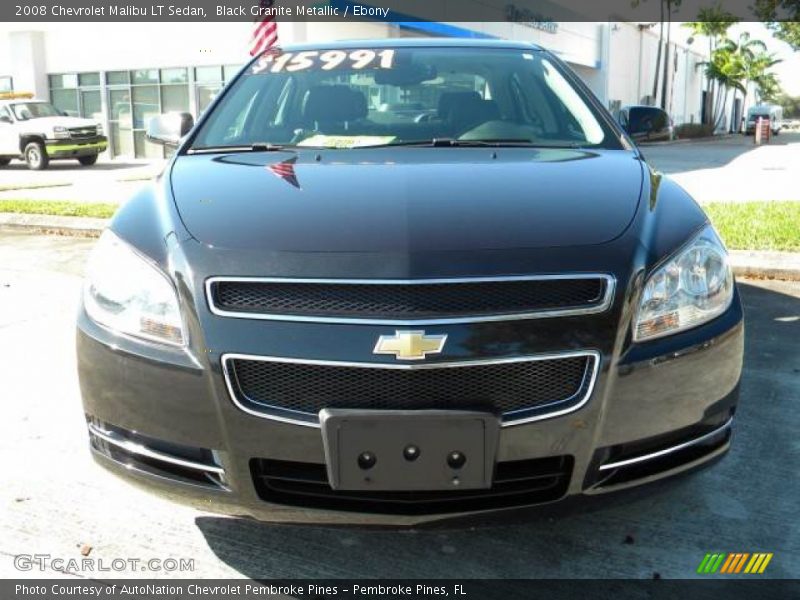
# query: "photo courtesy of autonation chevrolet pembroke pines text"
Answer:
x=400 y=299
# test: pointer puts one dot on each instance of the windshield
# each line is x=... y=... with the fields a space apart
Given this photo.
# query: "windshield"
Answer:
x=34 y=110
x=363 y=97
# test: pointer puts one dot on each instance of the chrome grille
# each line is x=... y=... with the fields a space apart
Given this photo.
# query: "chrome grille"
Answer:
x=79 y=133
x=517 y=389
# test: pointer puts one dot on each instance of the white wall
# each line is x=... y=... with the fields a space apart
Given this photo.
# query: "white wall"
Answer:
x=615 y=60
x=633 y=53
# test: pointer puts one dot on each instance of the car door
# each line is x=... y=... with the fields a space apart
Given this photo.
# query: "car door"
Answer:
x=9 y=140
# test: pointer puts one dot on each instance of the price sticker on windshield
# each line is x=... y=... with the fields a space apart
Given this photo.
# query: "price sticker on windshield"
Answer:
x=325 y=60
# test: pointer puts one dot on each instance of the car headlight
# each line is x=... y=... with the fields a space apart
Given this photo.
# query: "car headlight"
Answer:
x=691 y=288
x=126 y=293
x=60 y=133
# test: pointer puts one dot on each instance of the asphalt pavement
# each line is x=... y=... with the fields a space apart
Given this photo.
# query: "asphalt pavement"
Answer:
x=56 y=501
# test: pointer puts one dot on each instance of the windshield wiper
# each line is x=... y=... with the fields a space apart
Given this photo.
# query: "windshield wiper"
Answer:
x=256 y=147
x=479 y=143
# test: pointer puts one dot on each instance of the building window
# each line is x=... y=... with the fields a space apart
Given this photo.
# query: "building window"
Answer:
x=136 y=96
x=118 y=78
x=89 y=79
x=77 y=94
x=209 y=82
x=6 y=84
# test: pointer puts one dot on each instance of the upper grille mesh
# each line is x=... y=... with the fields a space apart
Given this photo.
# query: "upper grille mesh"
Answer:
x=407 y=301
x=499 y=388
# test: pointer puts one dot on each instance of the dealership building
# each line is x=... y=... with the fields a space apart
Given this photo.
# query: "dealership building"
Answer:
x=122 y=74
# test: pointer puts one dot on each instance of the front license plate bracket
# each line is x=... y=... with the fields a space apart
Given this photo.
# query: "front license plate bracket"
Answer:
x=396 y=450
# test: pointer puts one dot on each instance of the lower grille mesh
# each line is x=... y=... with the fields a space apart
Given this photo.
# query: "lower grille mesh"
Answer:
x=501 y=388
x=516 y=483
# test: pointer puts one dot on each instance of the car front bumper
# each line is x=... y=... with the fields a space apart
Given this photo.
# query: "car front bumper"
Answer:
x=164 y=418
x=69 y=148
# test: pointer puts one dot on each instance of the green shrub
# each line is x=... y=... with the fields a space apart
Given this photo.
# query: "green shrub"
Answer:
x=694 y=130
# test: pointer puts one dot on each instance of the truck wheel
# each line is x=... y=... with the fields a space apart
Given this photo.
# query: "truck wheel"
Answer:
x=4 y=161
x=87 y=161
x=36 y=156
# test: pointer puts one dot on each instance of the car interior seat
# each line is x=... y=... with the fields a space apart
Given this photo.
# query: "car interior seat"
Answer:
x=332 y=108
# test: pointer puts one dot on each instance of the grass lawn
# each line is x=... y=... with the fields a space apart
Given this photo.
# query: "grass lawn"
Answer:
x=62 y=208
x=743 y=225
x=757 y=225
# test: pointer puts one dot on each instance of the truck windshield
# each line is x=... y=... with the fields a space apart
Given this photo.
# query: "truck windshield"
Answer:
x=34 y=110
x=371 y=97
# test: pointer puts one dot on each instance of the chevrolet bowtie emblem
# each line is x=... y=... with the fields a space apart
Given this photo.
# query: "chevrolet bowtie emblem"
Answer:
x=410 y=345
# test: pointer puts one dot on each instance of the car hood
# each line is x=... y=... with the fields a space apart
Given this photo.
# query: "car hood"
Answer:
x=407 y=199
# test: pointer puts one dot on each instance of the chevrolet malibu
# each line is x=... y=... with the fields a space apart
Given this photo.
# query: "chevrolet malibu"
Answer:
x=396 y=280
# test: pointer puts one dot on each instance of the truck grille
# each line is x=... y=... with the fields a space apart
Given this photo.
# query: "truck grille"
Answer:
x=80 y=133
x=517 y=389
x=415 y=301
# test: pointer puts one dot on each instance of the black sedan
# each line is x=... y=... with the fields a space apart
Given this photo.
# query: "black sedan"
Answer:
x=328 y=308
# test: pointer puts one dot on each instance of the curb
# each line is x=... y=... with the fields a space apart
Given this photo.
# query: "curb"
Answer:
x=54 y=225
x=766 y=264
x=745 y=263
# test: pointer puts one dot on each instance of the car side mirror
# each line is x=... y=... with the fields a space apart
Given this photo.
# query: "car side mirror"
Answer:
x=168 y=129
x=622 y=119
x=6 y=120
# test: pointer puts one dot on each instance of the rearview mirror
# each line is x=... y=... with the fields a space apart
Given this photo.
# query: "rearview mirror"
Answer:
x=405 y=75
x=168 y=129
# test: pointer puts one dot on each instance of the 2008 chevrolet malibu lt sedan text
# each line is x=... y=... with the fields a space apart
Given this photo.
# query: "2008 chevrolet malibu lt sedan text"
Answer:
x=389 y=281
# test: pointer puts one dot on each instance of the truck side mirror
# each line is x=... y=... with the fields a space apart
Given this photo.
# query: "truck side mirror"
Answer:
x=168 y=129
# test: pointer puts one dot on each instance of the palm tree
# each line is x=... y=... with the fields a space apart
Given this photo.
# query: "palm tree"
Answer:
x=666 y=8
x=757 y=72
x=768 y=88
x=724 y=68
x=749 y=57
x=713 y=23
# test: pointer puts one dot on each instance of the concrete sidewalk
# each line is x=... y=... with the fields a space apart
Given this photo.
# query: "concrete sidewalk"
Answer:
x=732 y=168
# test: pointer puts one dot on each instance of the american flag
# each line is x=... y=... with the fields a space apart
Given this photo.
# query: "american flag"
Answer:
x=265 y=30
x=285 y=170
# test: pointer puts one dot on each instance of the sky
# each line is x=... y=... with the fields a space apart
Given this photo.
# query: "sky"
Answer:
x=787 y=71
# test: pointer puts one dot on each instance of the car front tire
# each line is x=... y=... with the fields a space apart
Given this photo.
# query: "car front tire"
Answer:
x=87 y=161
x=36 y=156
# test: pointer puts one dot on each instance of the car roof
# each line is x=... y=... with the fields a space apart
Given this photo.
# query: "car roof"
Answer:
x=417 y=43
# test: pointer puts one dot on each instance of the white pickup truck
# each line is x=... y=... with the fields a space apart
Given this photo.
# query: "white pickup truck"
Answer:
x=37 y=132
